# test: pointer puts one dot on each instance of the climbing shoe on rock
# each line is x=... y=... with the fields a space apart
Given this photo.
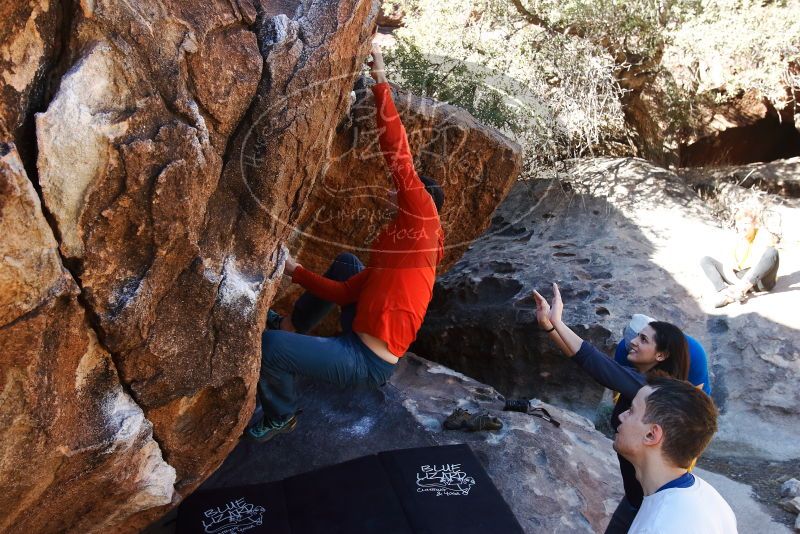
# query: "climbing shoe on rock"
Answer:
x=461 y=419
x=531 y=408
x=484 y=421
x=274 y=320
x=457 y=420
x=267 y=428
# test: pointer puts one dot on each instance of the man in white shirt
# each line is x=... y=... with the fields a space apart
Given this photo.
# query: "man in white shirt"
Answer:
x=669 y=424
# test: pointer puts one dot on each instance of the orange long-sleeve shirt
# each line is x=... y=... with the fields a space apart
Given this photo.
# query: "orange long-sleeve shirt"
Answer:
x=392 y=293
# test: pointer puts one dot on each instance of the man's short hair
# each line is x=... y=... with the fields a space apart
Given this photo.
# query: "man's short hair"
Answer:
x=685 y=413
x=435 y=190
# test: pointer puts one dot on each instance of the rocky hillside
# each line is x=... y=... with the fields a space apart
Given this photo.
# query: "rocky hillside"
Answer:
x=153 y=157
x=622 y=236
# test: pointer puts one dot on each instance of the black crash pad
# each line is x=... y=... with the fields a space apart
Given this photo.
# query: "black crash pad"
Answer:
x=429 y=490
x=354 y=496
x=446 y=490
x=256 y=509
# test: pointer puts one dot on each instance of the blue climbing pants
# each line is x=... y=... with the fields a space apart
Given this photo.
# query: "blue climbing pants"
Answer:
x=342 y=360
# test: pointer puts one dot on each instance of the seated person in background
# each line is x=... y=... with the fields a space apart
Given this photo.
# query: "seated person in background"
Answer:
x=668 y=425
x=698 y=361
x=753 y=262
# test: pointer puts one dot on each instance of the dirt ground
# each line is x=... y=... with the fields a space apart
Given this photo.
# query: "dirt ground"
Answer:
x=765 y=477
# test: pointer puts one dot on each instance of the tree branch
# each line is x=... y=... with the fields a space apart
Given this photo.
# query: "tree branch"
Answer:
x=534 y=18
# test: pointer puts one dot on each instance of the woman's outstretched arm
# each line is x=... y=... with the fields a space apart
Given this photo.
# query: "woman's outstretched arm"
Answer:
x=602 y=368
x=550 y=320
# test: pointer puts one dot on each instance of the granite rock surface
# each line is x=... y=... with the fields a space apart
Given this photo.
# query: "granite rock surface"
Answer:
x=620 y=236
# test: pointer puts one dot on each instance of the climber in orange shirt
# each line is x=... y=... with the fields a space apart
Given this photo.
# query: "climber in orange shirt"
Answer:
x=383 y=304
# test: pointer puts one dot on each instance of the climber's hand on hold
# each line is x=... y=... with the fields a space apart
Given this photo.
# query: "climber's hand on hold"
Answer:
x=290 y=265
x=377 y=69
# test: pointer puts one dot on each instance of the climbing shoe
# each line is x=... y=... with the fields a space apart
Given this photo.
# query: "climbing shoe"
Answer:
x=267 y=428
x=484 y=421
x=457 y=420
x=274 y=320
x=530 y=408
x=461 y=419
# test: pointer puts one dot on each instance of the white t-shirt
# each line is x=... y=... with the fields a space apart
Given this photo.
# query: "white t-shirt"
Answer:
x=698 y=509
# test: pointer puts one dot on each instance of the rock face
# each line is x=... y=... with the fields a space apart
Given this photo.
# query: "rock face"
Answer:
x=140 y=388
x=748 y=129
x=570 y=475
x=29 y=46
x=475 y=165
x=176 y=145
x=620 y=237
x=562 y=479
x=69 y=430
x=155 y=225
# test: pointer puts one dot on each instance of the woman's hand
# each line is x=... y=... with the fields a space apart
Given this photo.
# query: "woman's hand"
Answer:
x=546 y=315
x=558 y=305
x=549 y=318
x=542 y=311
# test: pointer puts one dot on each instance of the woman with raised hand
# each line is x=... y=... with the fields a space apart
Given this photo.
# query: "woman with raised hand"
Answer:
x=659 y=349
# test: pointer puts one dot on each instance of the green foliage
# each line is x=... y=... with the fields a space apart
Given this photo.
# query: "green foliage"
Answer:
x=554 y=94
x=454 y=82
x=734 y=46
x=555 y=74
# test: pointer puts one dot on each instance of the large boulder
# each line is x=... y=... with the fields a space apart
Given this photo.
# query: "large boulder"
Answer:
x=174 y=251
x=143 y=250
x=563 y=479
x=620 y=236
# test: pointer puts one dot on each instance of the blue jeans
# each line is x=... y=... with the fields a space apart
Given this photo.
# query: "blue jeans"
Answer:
x=763 y=275
x=343 y=360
